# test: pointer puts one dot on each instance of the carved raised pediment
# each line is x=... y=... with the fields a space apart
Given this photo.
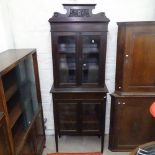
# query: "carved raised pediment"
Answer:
x=78 y=13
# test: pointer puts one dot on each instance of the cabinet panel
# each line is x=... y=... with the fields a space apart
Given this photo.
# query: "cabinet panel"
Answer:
x=135 y=57
x=91 y=116
x=131 y=123
x=68 y=116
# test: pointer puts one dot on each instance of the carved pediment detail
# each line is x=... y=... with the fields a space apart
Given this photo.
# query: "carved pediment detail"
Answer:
x=79 y=13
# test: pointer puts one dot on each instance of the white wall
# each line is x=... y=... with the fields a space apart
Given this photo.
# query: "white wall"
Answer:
x=6 y=37
x=31 y=29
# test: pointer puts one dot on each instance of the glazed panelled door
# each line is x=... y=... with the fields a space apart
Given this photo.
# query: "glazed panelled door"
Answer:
x=92 y=51
x=66 y=56
x=90 y=57
x=139 y=62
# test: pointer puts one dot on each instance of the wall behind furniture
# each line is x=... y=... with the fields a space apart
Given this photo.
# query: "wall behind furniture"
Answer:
x=31 y=29
x=6 y=36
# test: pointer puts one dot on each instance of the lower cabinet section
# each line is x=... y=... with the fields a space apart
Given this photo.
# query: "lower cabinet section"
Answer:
x=80 y=117
x=131 y=124
x=79 y=113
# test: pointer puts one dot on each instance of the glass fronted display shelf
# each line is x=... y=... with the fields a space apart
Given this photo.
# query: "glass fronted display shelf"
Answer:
x=90 y=54
x=21 y=96
x=67 y=59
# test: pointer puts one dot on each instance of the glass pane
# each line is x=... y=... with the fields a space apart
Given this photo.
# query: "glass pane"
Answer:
x=91 y=116
x=67 y=64
x=90 y=55
x=27 y=89
x=68 y=116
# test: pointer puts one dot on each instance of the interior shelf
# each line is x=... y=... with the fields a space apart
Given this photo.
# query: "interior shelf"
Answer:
x=15 y=114
x=67 y=51
x=11 y=91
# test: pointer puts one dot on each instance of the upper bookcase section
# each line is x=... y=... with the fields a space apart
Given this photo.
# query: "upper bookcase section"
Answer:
x=79 y=13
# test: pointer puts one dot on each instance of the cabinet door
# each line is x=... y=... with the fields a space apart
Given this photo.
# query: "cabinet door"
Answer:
x=80 y=117
x=92 y=117
x=65 y=58
x=131 y=123
x=93 y=47
x=67 y=115
x=139 y=74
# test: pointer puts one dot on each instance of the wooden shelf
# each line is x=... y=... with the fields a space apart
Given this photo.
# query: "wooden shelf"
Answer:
x=67 y=51
x=11 y=91
x=15 y=114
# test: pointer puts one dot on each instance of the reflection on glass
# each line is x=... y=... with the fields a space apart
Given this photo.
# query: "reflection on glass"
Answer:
x=27 y=89
x=66 y=44
x=67 y=65
x=90 y=66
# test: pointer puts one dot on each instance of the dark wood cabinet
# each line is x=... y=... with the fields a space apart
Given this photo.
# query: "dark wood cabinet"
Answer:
x=135 y=57
x=20 y=100
x=79 y=50
x=5 y=147
x=80 y=116
x=131 y=123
